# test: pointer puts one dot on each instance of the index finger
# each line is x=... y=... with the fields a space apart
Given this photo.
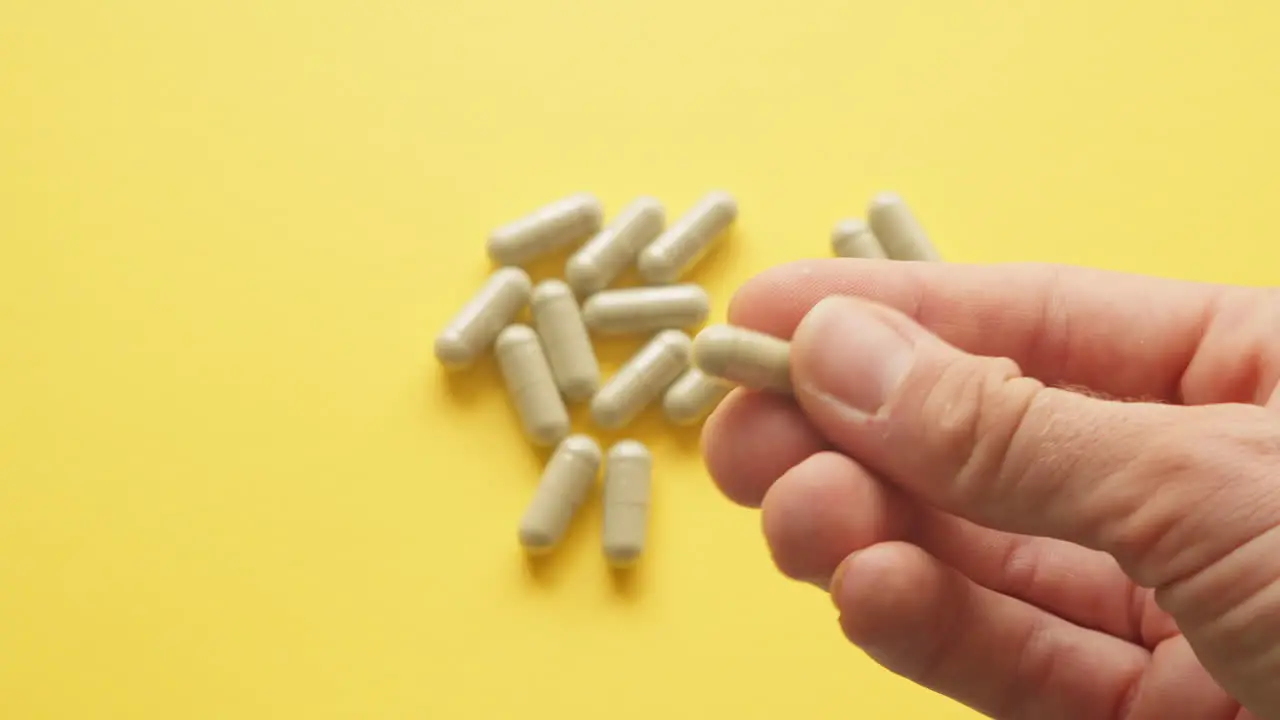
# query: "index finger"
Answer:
x=1123 y=335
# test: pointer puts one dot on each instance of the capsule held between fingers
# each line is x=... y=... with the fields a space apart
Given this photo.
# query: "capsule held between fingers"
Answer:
x=565 y=340
x=744 y=357
x=646 y=309
x=552 y=227
x=565 y=484
x=854 y=239
x=628 y=474
x=688 y=239
x=473 y=330
x=693 y=396
x=899 y=232
x=604 y=257
x=641 y=380
x=531 y=385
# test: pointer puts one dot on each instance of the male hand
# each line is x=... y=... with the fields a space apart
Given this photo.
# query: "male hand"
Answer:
x=1046 y=492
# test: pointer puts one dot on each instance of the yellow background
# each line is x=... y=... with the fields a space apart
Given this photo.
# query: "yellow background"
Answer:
x=233 y=483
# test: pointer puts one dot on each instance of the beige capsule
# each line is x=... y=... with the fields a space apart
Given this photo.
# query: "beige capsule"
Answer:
x=566 y=482
x=475 y=327
x=900 y=233
x=628 y=480
x=744 y=357
x=646 y=309
x=693 y=396
x=553 y=227
x=531 y=386
x=641 y=380
x=853 y=239
x=604 y=257
x=565 y=341
x=683 y=244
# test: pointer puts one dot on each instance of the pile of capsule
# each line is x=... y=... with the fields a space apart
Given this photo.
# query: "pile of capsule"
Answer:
x=889 y=231
x=551 y=362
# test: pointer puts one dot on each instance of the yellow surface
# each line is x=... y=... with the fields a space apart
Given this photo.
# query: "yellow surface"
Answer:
x=233 y=483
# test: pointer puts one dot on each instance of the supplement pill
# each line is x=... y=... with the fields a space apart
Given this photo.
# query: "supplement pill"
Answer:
x=899 y=232
x=646 y=309
x=604 y=257
x=558 y=225
x=745 y=357
x=564 y=486
x=641 y=379
x=531 y=385
x=565 y=341
x=684 y=243
x=693 y=396
x=475 y=327
x=853 y=239
x=628 y=474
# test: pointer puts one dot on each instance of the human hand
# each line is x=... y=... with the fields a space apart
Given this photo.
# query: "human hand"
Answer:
x=1029 y=550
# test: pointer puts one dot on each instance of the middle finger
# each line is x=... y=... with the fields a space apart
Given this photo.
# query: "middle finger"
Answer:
x=828 y=506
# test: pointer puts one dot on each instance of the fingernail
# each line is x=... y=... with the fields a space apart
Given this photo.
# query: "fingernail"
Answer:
x=853 y=355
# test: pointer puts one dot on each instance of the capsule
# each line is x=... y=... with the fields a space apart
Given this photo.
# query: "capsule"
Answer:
x=565 y=340
x=646 y=309
x=684 y=243
x=604 y=257
x=531 y=385
x=899 y=232
x=641 y=380
x=853 y=239
x=475 y=327
x=693 y=396
x=628 y=474
x=744 y=357
x=564 y=486
x=550 y=228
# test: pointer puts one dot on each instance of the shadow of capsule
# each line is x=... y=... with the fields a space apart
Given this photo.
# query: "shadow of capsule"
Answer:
x=687 y=437
x=550 y=266
x=542 y=570
x=463 y=386
x=628 y=582
x=717 y=264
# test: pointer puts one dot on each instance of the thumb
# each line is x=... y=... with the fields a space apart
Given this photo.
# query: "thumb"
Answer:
x=1185 y=498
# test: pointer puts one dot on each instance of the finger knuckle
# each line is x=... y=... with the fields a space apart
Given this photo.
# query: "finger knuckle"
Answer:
x=1021 y=566
x=1036 y=663
x=980 y=413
